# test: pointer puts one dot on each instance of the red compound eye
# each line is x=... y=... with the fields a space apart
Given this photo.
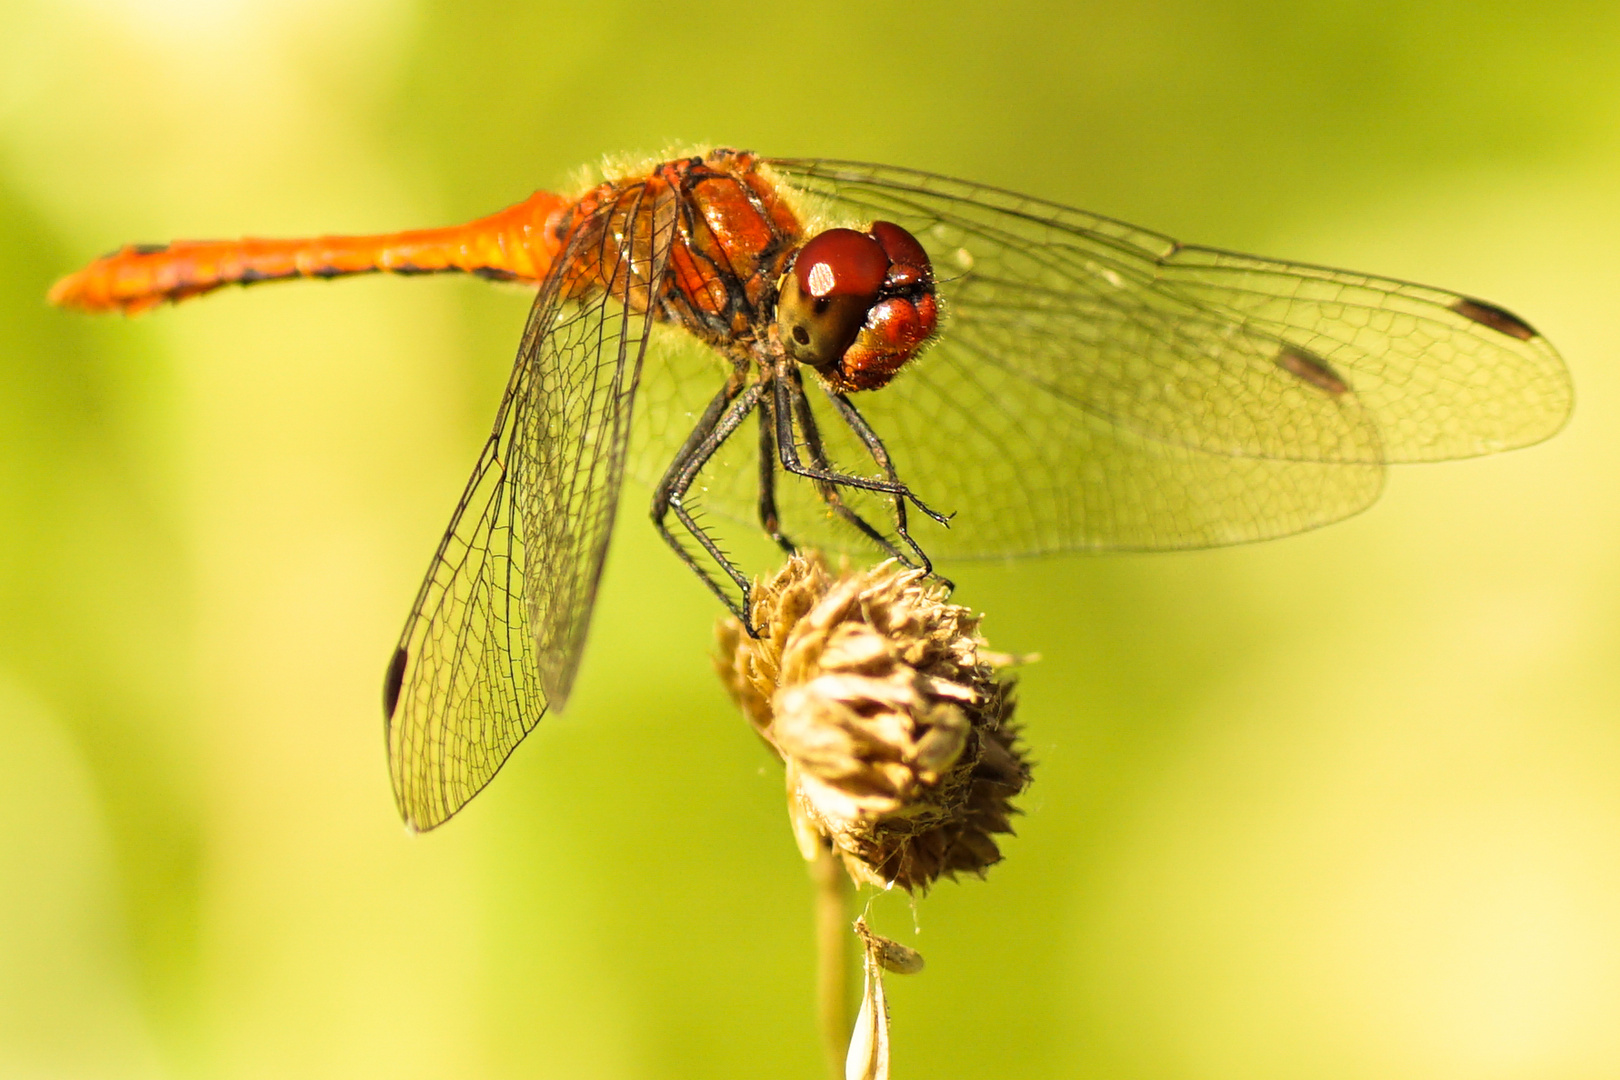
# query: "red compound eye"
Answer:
x=900 y=246
x=841 y=262
x=857 y=306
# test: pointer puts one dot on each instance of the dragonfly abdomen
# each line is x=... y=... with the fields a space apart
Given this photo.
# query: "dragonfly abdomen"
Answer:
x=516 y=244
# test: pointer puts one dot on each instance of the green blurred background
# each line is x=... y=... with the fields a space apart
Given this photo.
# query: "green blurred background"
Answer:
x=1344 y=805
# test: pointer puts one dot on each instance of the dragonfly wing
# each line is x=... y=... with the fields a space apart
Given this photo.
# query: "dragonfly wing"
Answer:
x=1029 y=473
x=588 y=365
x=1096 y=385
x=1444 y=375
x=498 y=627
x=1024 y=468
x=1210 y=348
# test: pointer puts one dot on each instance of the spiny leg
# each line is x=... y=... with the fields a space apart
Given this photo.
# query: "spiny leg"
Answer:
x=768 y=517
x=826 y=489
x=662 y=493
x=847 y=412
x=785 y=382
x=724 y=414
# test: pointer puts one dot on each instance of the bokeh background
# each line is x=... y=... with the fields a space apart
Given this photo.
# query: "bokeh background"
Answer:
x=1341 y=806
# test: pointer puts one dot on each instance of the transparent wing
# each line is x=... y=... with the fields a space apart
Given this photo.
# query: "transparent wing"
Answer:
x=1225 y=352
x=498 y=627
x=1095 y=385
x=1084 y=482
x=1027 y=474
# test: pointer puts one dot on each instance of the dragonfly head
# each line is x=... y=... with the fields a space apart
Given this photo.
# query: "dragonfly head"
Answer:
x=856 y=306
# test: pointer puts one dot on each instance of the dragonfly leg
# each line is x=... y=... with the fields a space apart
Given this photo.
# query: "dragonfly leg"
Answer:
x=874 y=445
x=768 y=517
x=828 y=490
x=786 y=384
x=719 y=422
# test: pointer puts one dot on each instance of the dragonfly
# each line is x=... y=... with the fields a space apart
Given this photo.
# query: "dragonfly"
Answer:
x=868 y=357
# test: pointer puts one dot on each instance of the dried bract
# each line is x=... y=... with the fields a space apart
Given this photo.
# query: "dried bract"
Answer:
x=893 y=720
x=868 y=1057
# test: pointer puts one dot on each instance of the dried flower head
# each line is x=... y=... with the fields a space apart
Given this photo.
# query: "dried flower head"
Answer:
x=893 y=720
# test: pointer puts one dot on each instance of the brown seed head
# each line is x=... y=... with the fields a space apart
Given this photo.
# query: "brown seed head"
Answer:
x=893 y=721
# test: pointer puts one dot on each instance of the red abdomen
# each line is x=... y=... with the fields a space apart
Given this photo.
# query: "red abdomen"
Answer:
x=515 y=244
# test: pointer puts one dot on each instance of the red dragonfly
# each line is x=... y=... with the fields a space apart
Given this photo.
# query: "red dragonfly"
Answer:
x=1056 y=380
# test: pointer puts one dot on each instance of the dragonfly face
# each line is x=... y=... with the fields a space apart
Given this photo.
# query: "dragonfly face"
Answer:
x=857 y=306
x=1058 y=380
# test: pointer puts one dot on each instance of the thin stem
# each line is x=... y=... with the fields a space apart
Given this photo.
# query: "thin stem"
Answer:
x=832 y=957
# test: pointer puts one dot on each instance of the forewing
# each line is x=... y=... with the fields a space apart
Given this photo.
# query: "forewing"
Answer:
x=1226 y=352
x=498 y=627
x=1095 y=385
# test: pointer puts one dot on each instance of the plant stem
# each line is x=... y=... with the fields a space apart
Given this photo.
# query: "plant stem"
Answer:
x=832 y=957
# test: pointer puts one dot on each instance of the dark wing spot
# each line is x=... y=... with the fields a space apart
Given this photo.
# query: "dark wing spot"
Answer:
x=1312 y=369
x=1494 y=317
x=393 y=681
